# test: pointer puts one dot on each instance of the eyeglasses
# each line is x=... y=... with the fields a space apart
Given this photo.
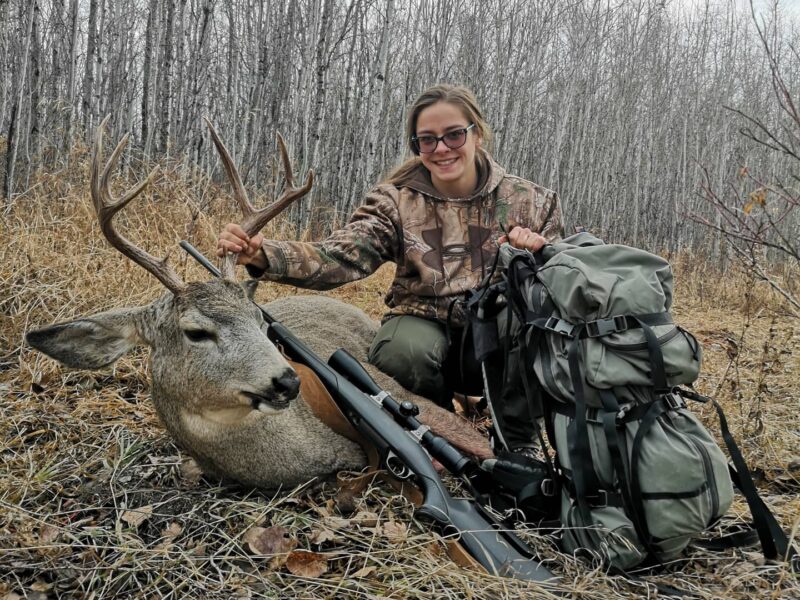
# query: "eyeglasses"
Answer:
x=452 y=139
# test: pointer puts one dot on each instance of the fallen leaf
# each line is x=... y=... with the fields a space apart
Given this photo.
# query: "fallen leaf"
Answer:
x=136 y=516
x=320 y=536
x=41 y=586
x=435 y=549
x=396 y=532
x=169 y=533
x=191 y=473
x=172 y=530
x=307 y=564
x=346 y=502
x=365 y=518
x=365 y=571
x=336 y=522
x=267 y=541
x=199 y=550
x=48 y=534
x=164 y=460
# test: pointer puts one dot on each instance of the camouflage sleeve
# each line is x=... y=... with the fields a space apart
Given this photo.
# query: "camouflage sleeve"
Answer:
x=552 y=227
x=372 y=237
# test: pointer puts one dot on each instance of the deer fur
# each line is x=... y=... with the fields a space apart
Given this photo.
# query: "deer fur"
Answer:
x=226 y=396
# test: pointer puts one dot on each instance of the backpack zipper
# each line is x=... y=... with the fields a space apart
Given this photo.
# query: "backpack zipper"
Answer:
x=707 y=467
x=640 y=345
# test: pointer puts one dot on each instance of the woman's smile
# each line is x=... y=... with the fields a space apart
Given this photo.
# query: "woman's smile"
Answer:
x=453 y=171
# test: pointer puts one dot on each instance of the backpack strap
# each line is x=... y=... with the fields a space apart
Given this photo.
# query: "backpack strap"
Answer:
x=583 y=476
x=774 y=542
x=613 y=418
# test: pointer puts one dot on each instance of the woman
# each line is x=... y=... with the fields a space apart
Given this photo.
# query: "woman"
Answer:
x=439 y=217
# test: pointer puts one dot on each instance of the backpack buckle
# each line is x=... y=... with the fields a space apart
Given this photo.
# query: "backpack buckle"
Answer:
x=674 y=401
x=602 y=327
x=560 y=326
x=624 y=409
x=598 y=500
x=548 y=487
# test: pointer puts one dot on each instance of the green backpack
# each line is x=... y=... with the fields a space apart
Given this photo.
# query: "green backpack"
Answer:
x=639 y=475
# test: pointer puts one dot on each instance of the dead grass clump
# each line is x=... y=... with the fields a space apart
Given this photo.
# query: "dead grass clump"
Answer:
x=96 y=501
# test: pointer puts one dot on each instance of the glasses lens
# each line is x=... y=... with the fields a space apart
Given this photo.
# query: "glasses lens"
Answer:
x=455 y=139
x=452 y=139
x=427 y=143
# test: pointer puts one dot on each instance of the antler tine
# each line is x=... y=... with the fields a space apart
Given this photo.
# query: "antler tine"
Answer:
x=232 y=172
x=106 y=206
x=255 y=220
x=287 y=163
x=260 y=218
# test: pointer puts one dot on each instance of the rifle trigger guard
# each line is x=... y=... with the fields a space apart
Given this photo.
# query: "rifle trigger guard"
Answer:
x=396 y=466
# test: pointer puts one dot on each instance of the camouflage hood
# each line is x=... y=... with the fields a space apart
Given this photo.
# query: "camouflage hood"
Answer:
x=490 y=174
x=442 y=247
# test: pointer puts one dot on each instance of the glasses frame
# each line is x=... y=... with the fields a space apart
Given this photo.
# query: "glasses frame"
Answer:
x=442 y=138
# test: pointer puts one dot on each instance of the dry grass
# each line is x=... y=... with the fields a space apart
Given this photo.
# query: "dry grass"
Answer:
x=96 y=501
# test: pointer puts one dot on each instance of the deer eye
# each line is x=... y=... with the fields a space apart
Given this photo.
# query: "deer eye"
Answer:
x=199 y=335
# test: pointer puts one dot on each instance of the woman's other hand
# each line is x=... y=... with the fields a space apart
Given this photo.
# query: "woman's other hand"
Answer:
x=234 y=239
x=524 y=239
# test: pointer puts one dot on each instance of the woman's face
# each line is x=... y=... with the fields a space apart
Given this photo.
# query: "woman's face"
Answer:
x=453 y=171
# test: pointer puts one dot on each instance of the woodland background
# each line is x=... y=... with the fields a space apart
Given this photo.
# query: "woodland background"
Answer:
x=671 y=125
x=626 y=107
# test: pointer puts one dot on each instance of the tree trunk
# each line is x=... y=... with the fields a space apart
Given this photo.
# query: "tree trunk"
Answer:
x=147 y=77
x=71 y=77
x=88 y=75
x=16 y=109
x=165 y=72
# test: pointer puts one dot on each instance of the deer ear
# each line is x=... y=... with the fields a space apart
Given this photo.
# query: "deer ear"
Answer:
x=91 y=342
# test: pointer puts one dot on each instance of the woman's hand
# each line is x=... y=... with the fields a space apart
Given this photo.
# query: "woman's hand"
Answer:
x=234 y=239
x=524 y=239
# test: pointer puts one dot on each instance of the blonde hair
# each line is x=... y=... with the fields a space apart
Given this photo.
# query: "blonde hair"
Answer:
x=456 y=95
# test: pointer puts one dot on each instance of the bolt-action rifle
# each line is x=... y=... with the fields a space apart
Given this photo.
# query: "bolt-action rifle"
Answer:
x=405 y=448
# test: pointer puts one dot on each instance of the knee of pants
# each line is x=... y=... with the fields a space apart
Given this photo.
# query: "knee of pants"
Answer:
x=412 y=350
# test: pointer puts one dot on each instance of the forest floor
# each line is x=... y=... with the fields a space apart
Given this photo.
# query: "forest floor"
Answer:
x=97 y=501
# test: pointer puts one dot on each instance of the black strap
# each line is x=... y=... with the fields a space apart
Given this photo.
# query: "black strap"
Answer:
x=616 y=449
x=774 y=543
x=658 y=373
x=738 y=539
x=518 y=270
x=655 y=410
x=530 y=395
x=580 y=454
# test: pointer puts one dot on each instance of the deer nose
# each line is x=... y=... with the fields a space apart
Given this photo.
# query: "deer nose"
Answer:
x=288 y=383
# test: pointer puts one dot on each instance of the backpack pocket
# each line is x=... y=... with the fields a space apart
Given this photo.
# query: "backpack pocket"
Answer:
x=682 y=487
x=624 y=359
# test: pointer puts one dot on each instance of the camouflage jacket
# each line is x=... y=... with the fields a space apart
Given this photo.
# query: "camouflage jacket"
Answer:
x=442 y=247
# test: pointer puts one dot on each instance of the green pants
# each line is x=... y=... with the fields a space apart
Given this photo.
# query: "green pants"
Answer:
x=416 y=353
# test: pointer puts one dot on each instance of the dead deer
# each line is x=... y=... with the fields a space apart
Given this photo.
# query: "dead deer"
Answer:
x=221 y=388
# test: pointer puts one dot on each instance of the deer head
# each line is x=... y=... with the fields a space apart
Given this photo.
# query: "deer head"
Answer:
x=211 y=359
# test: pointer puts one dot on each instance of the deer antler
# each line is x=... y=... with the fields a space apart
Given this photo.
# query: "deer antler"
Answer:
x=106 y=206
x=255 y=220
